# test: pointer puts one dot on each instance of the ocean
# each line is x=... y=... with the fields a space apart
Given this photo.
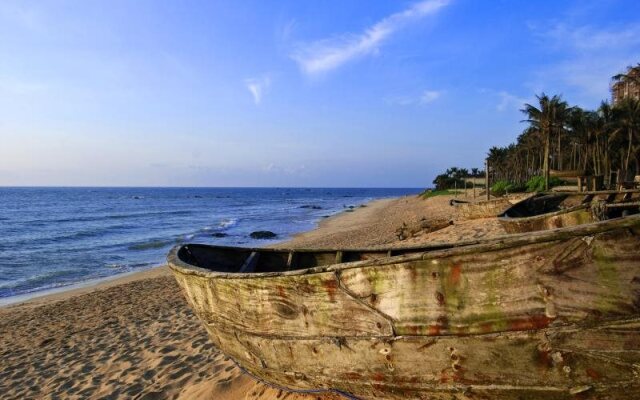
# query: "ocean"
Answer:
x=56 y=237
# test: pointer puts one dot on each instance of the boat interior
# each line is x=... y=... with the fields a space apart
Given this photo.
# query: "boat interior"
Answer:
x=540 y=204
x=249 y=260
x=617 y=204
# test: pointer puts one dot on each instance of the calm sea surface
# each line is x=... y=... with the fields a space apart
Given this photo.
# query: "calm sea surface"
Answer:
x=53 y=237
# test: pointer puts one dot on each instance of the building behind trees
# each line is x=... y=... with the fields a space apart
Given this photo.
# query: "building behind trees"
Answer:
x=626 y=85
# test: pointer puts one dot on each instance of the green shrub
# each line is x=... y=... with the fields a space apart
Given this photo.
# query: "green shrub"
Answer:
x=500 y=188
x=431 y=193
x=536 y=184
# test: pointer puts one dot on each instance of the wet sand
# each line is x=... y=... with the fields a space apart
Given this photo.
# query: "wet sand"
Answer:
x=135 y=337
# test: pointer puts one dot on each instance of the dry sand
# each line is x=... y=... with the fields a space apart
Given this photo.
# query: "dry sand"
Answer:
x=135 y=337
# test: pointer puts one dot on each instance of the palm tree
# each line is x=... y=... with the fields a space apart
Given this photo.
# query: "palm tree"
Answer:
x=626 y=119
x=550 y=116
x=496 y=160
x=561 y=117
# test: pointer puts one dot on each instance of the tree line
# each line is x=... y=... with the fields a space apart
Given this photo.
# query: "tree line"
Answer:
x=602 y=142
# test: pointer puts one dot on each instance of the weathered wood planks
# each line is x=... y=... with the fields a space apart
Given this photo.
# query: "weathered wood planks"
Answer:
x=551 y=314
x=575 y=209
x=576 y=215
x=487 y=208
x=301 y=306
x=514 y=365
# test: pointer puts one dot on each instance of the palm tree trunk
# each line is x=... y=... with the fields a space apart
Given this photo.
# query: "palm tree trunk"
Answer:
x=545 y=162
x=626 y=165
x=559 y=152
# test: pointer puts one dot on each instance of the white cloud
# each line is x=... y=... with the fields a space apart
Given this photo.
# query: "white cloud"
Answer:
x=257 y=88
x=285 y=32
x=587 y=38
x=510 y=101
x=429 y=96
x=25 y=16
x=587 y=57
x=272 y=168
x=327 y=54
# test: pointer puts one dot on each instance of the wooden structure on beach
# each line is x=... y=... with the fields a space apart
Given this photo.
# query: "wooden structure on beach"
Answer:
x=555 y=210
x=551 y=314
x=486 y=208
x=584 y=181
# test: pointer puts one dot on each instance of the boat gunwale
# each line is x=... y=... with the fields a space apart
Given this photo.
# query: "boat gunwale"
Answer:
x=505 y=218
x=594 y=192
x=511 y=220
x=458 y=248
x=461 y=203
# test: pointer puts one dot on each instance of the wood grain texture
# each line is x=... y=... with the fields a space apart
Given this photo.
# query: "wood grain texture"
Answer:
x=488 y=208
x=521 y=288
x=570 y=217
x=557 y=362
x=483 y=209
x=575 y=211
x=301 y=306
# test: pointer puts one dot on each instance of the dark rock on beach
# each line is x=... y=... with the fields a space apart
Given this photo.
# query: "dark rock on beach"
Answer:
x=262 y=235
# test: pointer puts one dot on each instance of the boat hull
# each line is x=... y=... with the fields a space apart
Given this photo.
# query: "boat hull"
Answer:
x=499 y=319
x=577 y=215
x=574 y=209
x=488 y=208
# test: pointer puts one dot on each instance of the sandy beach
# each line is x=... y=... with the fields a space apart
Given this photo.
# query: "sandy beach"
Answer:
x=135 y=337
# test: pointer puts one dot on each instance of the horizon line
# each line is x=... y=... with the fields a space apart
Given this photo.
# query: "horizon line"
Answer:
x=201 y=187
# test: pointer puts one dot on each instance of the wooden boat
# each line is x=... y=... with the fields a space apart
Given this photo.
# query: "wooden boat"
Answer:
x=487 y=208
x=558 y=209
x=550 y=314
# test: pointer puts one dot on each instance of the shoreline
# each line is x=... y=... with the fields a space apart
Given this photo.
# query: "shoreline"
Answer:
x=79 y=288
x=335 y=221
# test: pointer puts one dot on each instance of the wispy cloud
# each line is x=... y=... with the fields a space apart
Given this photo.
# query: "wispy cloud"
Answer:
x=426 y=97
x=510 y=101
x=587 y=56
x=257 y=87
x=506 y=101
x=429 y=96
x=286 y=30
x=325 y=55
x=272 y=168
x=25 y=16
x=587 y=38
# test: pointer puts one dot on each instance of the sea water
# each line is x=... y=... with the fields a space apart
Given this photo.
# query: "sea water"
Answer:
x=55 y=237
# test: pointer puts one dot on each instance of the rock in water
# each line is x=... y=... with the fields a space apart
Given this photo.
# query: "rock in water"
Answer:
x=262 y=235
x=219 y=235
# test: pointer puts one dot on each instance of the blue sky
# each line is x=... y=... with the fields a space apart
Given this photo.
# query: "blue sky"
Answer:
x=288 y=93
